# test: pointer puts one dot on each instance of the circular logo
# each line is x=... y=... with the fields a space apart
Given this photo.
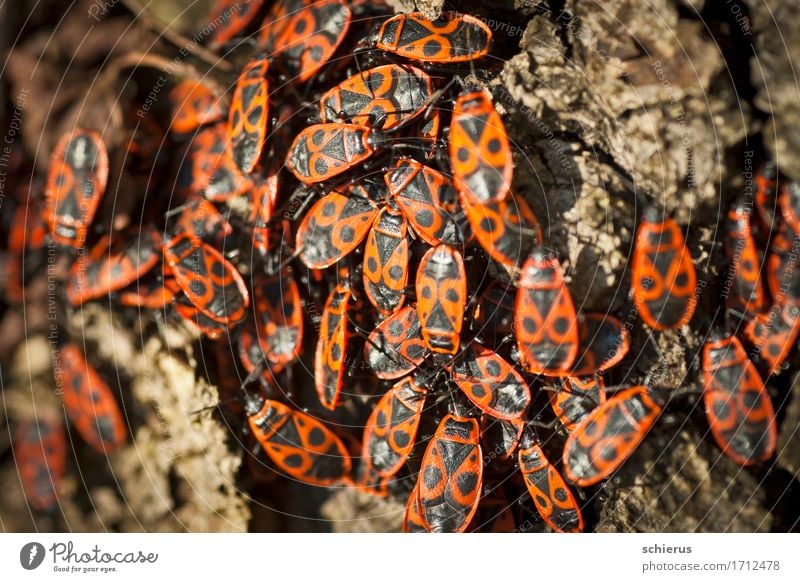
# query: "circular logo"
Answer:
x=31 y=555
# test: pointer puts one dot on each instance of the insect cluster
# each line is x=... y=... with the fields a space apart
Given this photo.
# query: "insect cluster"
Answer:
x=359 y=165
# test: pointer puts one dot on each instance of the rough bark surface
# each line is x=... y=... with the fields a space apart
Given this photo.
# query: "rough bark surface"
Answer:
x=176 y=474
